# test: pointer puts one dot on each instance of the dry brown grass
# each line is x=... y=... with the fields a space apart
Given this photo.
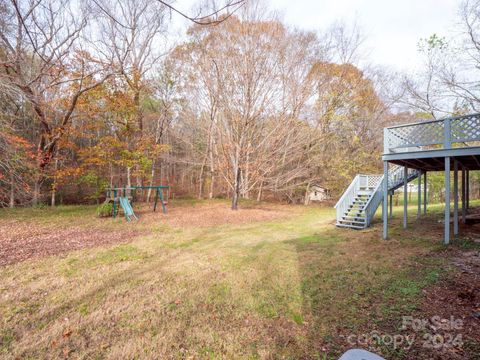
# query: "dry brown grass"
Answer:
x=289 y=286
x=24 y=237
x=216 y=213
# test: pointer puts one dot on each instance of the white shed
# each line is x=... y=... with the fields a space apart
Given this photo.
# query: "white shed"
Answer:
x=318 y=193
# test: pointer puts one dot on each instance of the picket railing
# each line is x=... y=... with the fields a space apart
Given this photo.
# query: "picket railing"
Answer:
x=395 y=176
x=359 y=183
x=347 y=198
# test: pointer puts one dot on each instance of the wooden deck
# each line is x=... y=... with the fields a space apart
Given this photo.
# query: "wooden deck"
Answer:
x=451 y=144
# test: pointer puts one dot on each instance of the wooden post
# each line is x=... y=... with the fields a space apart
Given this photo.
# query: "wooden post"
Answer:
x=384 y=208
x=447 y=138
x=447 y=145
x=405 y=197
x=425 y=193
x=391 y=204
x=385 y=200
x=419 y=195
x=455 y=197
x=468 y=189
x=447 y=200
x=463 y=196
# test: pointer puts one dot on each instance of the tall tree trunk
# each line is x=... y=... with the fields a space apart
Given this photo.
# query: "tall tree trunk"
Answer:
x=212 y=172
x=236 y=191
x=12 y=190
x=111 y=174
x=36 y=188
x=53 y=196
x=152 y=176
x=139 y=176
x=307 y=198
x=139 y=116
x=129 y=180
x=260 y=189
x=246 y=175
x=136 y=102
x=212 y=180
x=200 y=178
x=54 y=185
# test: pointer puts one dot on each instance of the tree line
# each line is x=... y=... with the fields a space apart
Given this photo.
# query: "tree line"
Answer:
x=96 y=94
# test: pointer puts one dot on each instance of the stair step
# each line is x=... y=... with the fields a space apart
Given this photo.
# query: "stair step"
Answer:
x=350 y=226
x=355 y=209
x=351 y=208
x=354 y=212
x=354 y=217
x=346 y=221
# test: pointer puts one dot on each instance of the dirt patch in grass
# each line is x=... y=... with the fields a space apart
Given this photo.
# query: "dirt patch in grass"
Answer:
x=213 y=214
x=20 y=240
x=31 y=235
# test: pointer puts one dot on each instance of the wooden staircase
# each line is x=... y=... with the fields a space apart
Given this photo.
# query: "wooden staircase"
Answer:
x=355 y=216
x=358 y=204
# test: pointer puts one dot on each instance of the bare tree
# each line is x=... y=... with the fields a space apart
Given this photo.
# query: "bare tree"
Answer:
x=253 y=76
x=44 y=59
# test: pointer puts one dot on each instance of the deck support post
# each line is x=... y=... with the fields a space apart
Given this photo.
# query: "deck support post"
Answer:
x=425 y=193
x=384 y=208
x=391 y=204
x=447 y=200
x=405 y=197
x=385 y=200
x=463 y=195
x=468 y=189
x=419 y=194
x=455 y=197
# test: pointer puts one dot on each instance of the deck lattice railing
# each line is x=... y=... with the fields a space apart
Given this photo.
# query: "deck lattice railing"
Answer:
x=433 y=134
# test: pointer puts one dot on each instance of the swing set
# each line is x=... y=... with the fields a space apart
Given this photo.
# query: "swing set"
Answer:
x=124 y=197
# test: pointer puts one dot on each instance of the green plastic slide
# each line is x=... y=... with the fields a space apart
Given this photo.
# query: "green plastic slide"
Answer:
x=127 y=209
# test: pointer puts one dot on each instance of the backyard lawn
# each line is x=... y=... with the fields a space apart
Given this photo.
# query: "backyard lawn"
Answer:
x=268 y=281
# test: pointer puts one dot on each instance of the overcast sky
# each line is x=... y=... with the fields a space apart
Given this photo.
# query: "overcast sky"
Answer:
x=393 y=27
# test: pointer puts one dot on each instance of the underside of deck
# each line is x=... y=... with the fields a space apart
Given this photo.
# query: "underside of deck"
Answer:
x=459 y=160
x=434 y=160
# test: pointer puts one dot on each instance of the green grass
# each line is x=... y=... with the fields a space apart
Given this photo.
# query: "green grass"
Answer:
x=285 y=288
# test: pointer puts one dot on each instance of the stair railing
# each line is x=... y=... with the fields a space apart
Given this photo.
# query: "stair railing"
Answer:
x=395 y=179
x=375 y=184
x=395 y=176
x=372 y=204
x=360 y=182
x=348 y=196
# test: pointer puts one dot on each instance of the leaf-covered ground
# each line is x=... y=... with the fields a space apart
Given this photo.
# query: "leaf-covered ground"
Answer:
x=269 y=281
x=27 y=233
